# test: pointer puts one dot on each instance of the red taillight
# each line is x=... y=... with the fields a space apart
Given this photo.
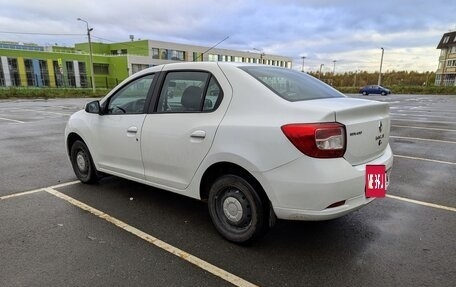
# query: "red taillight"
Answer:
x=320 y=140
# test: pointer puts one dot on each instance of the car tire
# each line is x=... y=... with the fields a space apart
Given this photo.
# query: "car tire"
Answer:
x=82 y=163
x=383 y=93
x=365 y=93
x=237 y=210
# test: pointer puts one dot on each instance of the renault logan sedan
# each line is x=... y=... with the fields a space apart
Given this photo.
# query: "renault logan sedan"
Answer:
x=256 y=142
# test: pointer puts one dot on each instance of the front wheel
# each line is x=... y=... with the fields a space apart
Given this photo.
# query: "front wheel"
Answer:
x=82 y=163
x=365 y=93
x=236 y=209
x=383 y=93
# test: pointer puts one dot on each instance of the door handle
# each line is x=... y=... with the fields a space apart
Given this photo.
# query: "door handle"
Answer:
x=198 y=134
x=132 y=130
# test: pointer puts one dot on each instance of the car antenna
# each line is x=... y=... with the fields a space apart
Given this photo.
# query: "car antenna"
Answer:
x=201 y=55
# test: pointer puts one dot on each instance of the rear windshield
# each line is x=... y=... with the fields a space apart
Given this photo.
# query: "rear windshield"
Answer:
x=291 y=85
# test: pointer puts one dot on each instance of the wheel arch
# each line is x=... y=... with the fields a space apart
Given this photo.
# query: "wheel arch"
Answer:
x=224 y=167
x=71 y=138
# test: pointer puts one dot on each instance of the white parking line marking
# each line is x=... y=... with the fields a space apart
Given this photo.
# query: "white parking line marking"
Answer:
x=20 y=194
x=422 y=203
x=11 y=120
x=422 y=139
x=418 y=116
x=423 y=128
x=425 y=159
x=65 y=184
x=46 y=112
x=427 y=122
x=225 y=275
x=38 y=190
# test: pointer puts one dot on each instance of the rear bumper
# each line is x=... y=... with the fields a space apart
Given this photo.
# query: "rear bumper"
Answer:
x=305 y=188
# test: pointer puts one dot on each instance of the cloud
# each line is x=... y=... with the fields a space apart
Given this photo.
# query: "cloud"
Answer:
x=324 y=30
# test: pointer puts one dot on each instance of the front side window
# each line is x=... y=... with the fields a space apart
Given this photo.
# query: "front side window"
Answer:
x=189 y=91
x=131 y=98
x=291 y=85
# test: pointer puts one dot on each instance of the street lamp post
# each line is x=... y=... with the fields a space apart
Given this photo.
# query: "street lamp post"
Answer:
x=319 y=74
x=334 y=67
x=303 y=58
x=90 y=52
x=380 y=73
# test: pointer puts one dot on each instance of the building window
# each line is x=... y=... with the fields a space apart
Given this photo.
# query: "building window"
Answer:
x=163 y=54
x=446 y=39
x=138 y=67
x=100 y=69
x=13 y=69
x=451 y=63
x=44 y=72
x=212 y=58
x=2 y=78
x=177 y=55
x=453 y=50
x=58 y=72
x=155 y=53
x=197 y=57
x=83 y=74
x=70 y=73
x=29 y=75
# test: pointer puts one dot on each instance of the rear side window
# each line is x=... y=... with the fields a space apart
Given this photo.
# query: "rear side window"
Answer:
x=291 y=85
x=189 y=92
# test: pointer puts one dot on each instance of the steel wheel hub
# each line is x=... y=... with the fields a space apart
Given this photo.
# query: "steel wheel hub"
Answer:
x=233 y=209
x=81 y=161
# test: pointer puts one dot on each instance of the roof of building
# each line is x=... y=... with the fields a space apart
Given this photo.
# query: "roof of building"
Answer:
x=448 y=40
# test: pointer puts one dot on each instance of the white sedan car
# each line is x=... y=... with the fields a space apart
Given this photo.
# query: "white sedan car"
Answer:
x=256 y=142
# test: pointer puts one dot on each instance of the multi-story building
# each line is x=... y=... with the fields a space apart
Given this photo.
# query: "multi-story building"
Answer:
x=25 y=65
x=446 y=71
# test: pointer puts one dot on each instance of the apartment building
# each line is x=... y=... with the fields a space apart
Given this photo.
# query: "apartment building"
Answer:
x=446 y=71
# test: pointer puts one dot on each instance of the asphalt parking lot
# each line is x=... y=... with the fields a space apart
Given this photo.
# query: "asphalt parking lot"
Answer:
x=55 y=231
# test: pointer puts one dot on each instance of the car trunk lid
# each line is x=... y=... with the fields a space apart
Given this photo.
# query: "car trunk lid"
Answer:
x=367 y=126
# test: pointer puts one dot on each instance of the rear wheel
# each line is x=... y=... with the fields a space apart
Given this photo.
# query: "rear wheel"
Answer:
x=82 y=163
x=237 y=210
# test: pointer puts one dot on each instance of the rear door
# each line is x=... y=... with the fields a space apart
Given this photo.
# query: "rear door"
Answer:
x=179 y=133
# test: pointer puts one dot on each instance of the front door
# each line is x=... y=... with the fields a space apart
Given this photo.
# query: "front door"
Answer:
x=119 y=129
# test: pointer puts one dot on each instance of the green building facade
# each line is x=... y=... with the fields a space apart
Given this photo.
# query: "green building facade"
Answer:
x=31 y=65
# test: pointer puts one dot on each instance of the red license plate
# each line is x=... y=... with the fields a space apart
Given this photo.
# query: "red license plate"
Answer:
x=376 y=181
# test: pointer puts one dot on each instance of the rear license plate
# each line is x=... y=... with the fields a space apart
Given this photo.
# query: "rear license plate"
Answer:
x=376 y=181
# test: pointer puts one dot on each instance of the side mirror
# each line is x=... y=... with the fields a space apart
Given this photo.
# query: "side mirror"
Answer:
x=93 y=107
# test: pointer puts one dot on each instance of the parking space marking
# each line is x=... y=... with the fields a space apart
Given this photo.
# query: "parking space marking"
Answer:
x=426 y=122
x=422 y=139
x=417 y=116
x=47 y=112
x=11 y=120
x=422 y=203
x=38 y=190
x=20 y=194
x=424 y=159
x=423 y=128
x=225 y=275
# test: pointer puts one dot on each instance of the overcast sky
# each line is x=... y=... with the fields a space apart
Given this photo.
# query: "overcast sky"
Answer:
x=350 y=32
